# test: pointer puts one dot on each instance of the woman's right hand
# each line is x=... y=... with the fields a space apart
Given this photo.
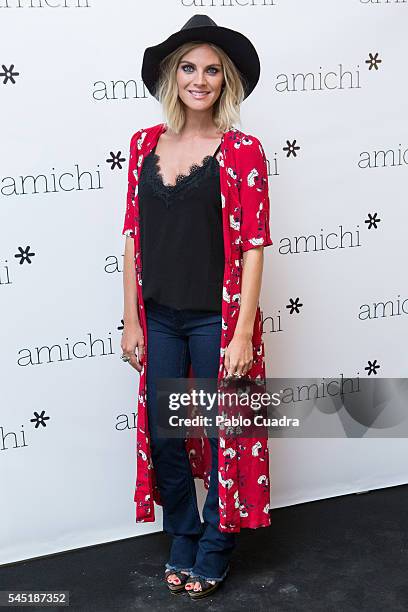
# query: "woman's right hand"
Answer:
x=132 y=340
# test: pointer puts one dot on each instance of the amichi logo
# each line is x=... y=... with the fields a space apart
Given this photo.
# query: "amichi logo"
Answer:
x=320 y=242
x=383 y=1
x=272 y=324
x=118 y=90
x=11 y=439
x=5 y=274
x=390 y=308
x=381 y=158
x=52 y=4
x=318 y=80
x=227 y=3
x=51 y=182
x=65 y=352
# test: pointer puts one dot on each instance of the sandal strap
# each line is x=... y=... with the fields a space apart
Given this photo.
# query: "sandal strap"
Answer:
x=179 y=573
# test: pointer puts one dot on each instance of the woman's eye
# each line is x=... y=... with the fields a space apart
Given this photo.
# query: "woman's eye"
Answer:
x=189 y=66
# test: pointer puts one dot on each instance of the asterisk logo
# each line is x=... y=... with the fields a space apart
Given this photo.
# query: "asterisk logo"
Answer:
x=372 y=367
x=116 y=160
x=291 y=148
x=373 y=61
x=294 y=305
x=372 y=221
x=8 y=74
x=39 y=419
x=24 y=255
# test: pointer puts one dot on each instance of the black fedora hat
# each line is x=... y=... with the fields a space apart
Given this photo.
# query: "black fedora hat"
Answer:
x=202 y=28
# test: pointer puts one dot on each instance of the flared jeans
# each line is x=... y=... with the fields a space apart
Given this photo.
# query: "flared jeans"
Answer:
x=177 y=338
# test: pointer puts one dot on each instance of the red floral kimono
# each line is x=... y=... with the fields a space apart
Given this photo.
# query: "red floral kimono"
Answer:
x=243 y=474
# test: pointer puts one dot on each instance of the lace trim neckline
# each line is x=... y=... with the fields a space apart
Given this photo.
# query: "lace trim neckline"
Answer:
x=181 y=177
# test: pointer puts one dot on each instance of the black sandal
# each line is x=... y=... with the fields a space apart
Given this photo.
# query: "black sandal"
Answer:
x=206 y=587
x=176 y=588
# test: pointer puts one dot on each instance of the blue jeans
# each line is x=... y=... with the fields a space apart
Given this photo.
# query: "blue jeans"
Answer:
x=176 y=337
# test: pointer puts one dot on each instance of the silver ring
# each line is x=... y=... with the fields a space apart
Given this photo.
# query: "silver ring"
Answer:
x=124 y=357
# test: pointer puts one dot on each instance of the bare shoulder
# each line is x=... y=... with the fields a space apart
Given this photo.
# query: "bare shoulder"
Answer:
x=168 y=137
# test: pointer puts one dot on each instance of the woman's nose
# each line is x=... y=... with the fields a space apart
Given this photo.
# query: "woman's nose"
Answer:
x=200 y=78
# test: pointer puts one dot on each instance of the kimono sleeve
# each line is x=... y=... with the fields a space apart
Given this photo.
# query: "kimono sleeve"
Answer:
x=129 y=220
x=254 y=196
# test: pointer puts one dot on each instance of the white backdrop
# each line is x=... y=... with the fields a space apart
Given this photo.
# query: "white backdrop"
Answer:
x=68 y=481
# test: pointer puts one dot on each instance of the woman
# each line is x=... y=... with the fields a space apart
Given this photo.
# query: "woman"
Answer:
x=196 y=223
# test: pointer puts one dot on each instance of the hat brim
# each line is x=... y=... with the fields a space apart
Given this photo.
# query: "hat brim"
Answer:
x=237 y=46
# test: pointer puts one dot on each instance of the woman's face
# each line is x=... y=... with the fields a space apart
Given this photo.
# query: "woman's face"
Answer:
x=199 y=78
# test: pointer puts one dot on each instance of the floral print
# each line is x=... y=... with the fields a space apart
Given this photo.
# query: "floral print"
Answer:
x=243 y=463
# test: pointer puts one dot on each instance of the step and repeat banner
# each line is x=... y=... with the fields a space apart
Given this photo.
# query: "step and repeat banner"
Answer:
x=330 y=110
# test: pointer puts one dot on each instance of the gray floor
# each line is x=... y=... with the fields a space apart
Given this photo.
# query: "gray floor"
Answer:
x=341 y=554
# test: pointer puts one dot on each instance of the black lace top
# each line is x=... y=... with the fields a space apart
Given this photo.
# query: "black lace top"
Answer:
x=181 y=239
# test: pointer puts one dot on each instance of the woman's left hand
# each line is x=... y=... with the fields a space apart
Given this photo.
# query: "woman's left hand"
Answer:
x=238 y=357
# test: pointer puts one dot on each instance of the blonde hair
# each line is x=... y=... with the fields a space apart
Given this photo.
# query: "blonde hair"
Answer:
x=226 y=109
